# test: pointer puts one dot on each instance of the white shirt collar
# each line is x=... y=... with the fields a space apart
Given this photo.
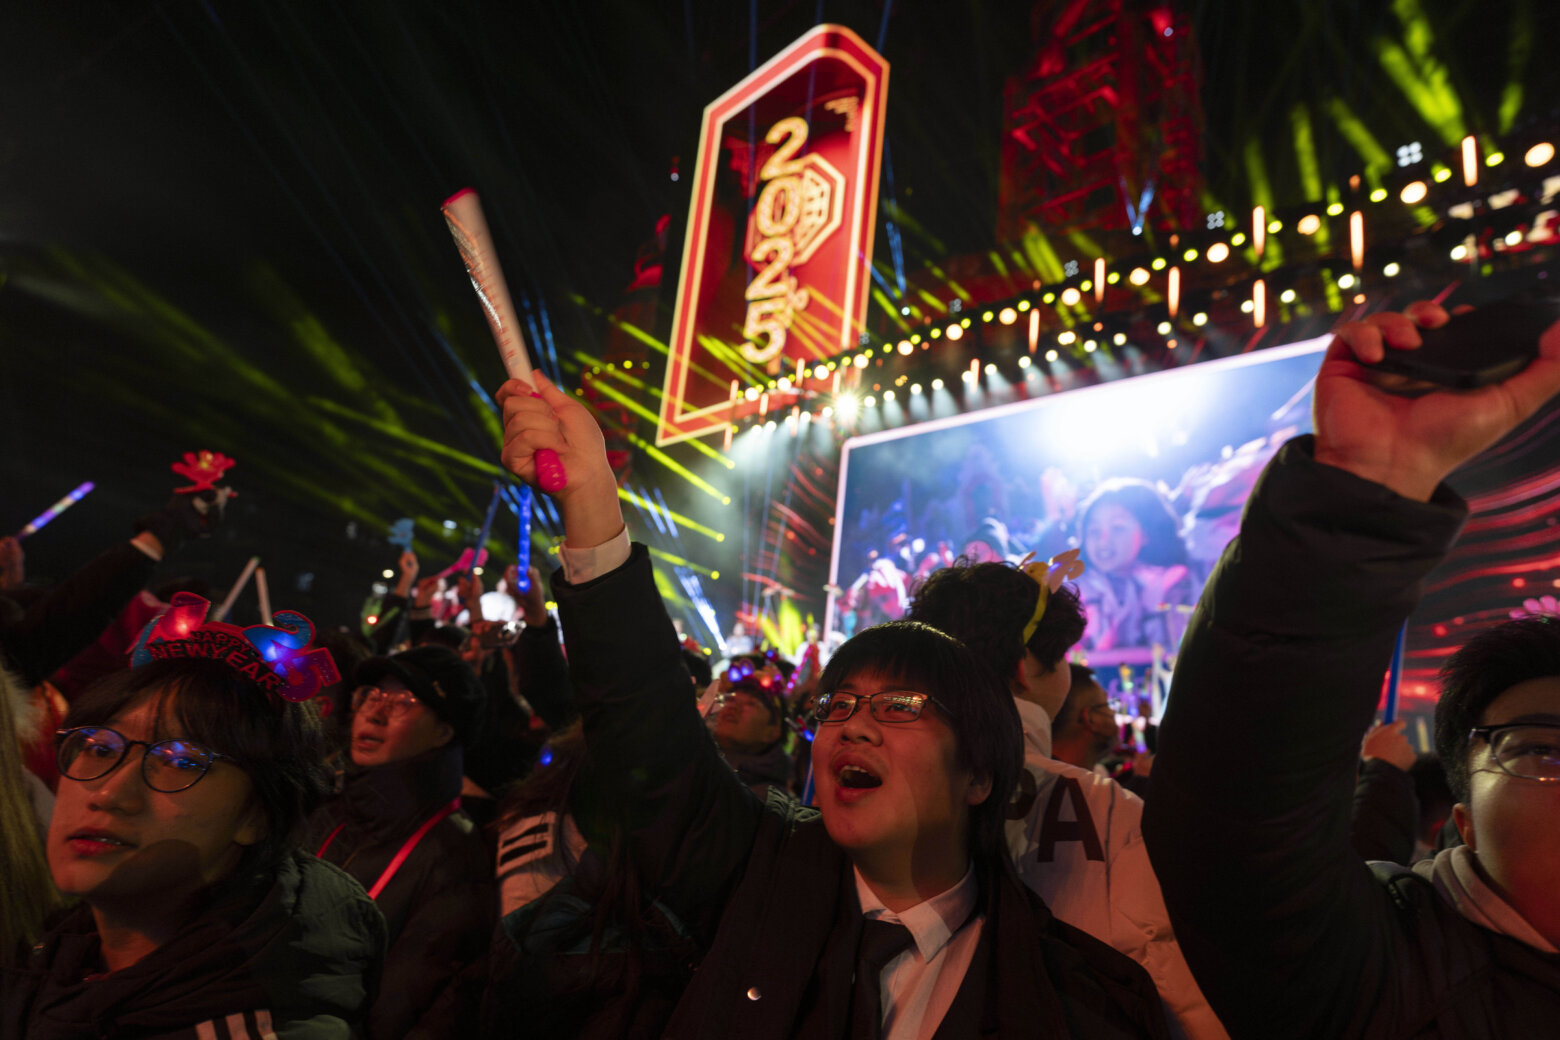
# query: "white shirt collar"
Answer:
x=931 y=922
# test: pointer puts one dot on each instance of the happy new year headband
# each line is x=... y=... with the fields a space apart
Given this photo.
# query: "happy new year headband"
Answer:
x=1049 y=575
x=276 y=657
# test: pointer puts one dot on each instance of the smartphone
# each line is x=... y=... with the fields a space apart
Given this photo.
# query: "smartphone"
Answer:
x=1478 y=347
x=499 y=635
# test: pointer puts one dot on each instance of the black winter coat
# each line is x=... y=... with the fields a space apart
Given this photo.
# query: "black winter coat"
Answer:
x=1289 y=933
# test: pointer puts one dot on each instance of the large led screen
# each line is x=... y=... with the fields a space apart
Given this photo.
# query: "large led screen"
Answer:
x=1147 y=476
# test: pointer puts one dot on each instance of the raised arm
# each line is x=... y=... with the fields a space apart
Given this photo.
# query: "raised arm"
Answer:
x=1278 y=676
x=691 y=822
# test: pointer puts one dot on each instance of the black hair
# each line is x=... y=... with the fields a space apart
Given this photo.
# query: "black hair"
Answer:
x=452 y=636
x=277 y=743
x=987 y=731
x=1488 y=665
x=699 y=667
x=1162 y=545
x=1082 y=677
x=987 y=606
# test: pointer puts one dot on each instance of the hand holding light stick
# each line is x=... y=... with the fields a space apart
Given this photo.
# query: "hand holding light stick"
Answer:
x=81 y=491
x=468 y=225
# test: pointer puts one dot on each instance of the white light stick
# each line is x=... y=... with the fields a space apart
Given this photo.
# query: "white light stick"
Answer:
x=265 y=596
x=468 y=225
x=238 y=586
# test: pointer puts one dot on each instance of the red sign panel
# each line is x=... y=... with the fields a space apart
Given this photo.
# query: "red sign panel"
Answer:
x=775 y=265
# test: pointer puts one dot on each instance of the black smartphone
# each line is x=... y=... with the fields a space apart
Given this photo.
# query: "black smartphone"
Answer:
x=1478 y=347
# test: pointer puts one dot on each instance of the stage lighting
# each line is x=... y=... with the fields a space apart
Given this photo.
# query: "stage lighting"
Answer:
x=820 y=372
x=1071 y=296
x=1275 y=226
x=1066 y=336
x=1049 y=297
x=1288 y=296
x=1113 y=278
x=906 y=347
x=1171 y=344
x=935 y=334
x=1442 y=174
x=826 y=411
x=1190 y=255
x=968 y=376
x=987 y=317
x=1051 y=355
x=1309 y=224
x=1391 y=270
x=848 y=405
x=1346 y=281
x=937 y=384
x=784 y=384
x=888 y=395
x=868 y=401
x=964 y=323
x=1089 y=346
x=1238 y=239
x=1539 y=154
x=1199 y=319
x=389 y=573
x=1378 y=195
x=769 y=427
x=861 y=361
x=1459 y=252
x=1414 y=192
x=1218 y=253
x=955 y=331
x=1023 y=305
x=450 y=525
x=1514 y=238
x=1139 y=276
x=1158 y=264
x=751 y=393
x=1246 y=306
x=1119 y=339
x=1164 y=328
x=1023 y=361
x=915 y=389
x=1334 y=208
x=1494 y=159
x=1007 y=316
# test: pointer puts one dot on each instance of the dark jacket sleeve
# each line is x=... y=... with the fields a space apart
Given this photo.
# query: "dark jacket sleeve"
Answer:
x=543 y=675
x=1279 y=674
x=1386 y=812
x=74 y=613
x=691 y=821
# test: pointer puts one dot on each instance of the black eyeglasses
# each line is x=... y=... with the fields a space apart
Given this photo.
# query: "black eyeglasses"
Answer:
x=1530 y=750
x=169 y=766
x=886 y=706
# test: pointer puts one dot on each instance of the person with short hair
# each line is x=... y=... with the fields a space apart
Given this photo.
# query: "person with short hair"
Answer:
x=398 y=828
x=183 y=784
x=1290 y=933
x=1086 y=728
x=893 y=910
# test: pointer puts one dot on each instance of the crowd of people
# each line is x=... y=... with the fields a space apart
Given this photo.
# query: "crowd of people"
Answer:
x=569 y=825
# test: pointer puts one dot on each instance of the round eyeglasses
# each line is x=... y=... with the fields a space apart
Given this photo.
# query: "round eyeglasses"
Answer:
x=885 y=706
x=169 y=766
x=1529 y=750
x=394 y=704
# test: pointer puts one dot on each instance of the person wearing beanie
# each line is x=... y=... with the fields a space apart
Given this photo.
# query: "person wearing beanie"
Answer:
x=397 y=827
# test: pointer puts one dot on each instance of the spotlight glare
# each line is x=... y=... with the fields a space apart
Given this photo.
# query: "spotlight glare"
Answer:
x=1051 y=355
x=1023 y=361
x=1346 y=281
x=1334 y=209
x=1275 y=226
x=1309 y=224
x=915 y=389
x=1007 y=315
x=991 y=369
x=1139 y=276
x=1494 y=159
x=820 y=372
x=1071 y=296
x=906 y=347
x=888 y=395
x=1513 y=238
x=1246 y=306
x=1442 y=174
x=1539 y=154
x=1067 y=336
x=1049 y=297
x=1164 y=328
x=1120 y=339
x=1391 y=270
x=1414 y=192
x=937 y=384
x=848 y=405
x=1190 y=255
x=1199 y=319
x=1089 y=346
x=1459 y=252
x=935 y=334
x=987 y=317
x=955 y=331
x=861 y=361
x=1238 y=239
x=1158 y=264
x=968 y=376
x=1288 y=296
x=868 y=401
x=1113 y=278
x=826 y=411
x=785 y=383
x=1023 y=305
x=1218 y=253
x=1379 y=195
x=751 y=393
x=389 y=573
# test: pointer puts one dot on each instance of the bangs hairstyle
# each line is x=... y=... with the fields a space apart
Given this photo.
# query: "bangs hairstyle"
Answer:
x=987 y=605
x=1488 y=665
x=984 y=720
x=279 y=744
x=1162 y=545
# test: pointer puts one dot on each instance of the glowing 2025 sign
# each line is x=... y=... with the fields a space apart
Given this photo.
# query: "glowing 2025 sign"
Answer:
x=775 y=264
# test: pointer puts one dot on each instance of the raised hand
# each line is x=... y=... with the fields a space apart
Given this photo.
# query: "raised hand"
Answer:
x=1408 y=436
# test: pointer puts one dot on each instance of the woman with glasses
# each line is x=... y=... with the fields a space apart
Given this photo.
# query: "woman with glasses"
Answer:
x=182 y=784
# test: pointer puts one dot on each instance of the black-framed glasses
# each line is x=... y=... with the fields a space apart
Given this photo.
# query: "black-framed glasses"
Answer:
x=885 y=706
x=395 y=703
x=169 y=766
x=1530 y=750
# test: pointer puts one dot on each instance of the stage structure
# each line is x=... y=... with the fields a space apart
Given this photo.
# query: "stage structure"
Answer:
x=775 y=266
x=1103 y=129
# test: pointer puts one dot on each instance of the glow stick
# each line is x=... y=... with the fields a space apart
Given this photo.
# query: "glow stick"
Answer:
x=265 y=596
x=1395 y=676
x=468 y=225
x=82 y=490
x=238 y=586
